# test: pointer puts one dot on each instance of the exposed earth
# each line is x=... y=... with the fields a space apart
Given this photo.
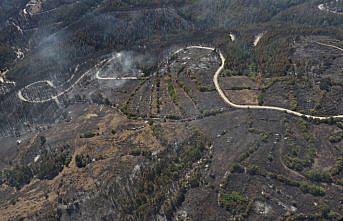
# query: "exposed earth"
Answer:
x=180 y=110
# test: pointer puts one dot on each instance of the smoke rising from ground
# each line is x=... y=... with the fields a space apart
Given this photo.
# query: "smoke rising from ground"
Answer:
x=121 y=64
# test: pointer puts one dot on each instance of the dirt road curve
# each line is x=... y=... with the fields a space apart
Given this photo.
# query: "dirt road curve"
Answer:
x=215 y=80
x=226 y=99
x=323 y=7
x=328 y=45
x=22 y=98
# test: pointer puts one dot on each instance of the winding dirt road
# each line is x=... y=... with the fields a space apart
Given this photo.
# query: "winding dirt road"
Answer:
x=328 y=45
x=54 y=98
x=323 y=7
x=97 y=75
x=215 y=81
x=258 y=38
x=257 y=107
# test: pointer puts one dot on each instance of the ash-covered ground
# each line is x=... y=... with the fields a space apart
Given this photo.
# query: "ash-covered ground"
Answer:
x=106 y=113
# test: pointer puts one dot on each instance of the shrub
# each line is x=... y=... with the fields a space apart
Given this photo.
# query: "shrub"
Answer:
x=67 y=158
x=52 y=164
x=205 y=89
x=264 y=136
x=237 y=168
x=192 y=154
x=325 y=84
x=171 y=91
x=337 y=168
x=318 y=176
x=234 y=202
x=254 y=170
x=336 y=137
x=326 y=213
x=140 y=152
x=19 y=176
x=270 y=157
x=295 y=163
x=285 y=180
x=82 y=160
x=312 y=189
x=260 y=99
x=87 y=134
